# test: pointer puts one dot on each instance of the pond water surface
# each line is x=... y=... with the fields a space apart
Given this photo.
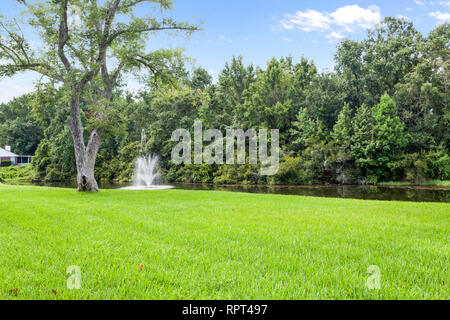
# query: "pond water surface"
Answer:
x=403 y=193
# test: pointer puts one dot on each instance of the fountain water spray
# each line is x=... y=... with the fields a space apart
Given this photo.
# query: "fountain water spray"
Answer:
x=146 y=172
x=146 y=169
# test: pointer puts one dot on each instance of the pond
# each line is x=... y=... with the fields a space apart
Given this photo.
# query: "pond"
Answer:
x=398 y=193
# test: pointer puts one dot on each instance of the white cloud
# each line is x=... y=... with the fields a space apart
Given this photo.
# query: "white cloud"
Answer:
x=309 y=20
x=334 y=36
x=425 y=3
x=408 y=9
x=287 y=24
x=223 y=38
x=348 y=17
x=286 y=40
x=440 y=16
x=400 y=16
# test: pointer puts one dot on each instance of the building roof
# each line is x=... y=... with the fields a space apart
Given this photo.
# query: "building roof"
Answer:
x=6 y=154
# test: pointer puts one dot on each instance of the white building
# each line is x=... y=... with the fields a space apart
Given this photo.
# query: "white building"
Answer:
x=16 y=160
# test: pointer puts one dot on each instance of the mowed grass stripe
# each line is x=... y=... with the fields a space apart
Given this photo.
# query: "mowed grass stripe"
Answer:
x=218 y=245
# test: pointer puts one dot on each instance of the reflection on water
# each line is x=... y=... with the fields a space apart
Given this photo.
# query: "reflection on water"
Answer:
x=418 y=194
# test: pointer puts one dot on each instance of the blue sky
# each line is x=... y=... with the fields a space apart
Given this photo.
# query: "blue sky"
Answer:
x=261 y=29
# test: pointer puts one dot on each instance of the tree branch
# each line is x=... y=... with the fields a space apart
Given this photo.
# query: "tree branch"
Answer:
x=149 y=29
x=132 y=4
x=146 y=63
x=11 y=53
x=116 y=73
x=110 y=17
x=63 y=35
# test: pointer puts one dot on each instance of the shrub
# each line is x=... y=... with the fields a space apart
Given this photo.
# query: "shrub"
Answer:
x=237 y=174
x=17 y=173
x=438 y=165
x=53 y=174
x=5 y=163
x=289 y=172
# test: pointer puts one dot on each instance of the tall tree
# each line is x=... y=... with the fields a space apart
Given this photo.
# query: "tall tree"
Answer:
x=18 y=126
x=201 y=79
x=391 y=51
x=350 y=66
x=81 y=41
x=266 y=101
x=341 y=138
x=422 y=97
x=378 y=140
x=324 y=98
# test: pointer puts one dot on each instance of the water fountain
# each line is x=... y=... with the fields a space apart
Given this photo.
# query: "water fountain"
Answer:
x=146 y=170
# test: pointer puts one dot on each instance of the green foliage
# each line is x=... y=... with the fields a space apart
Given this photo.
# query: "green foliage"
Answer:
x=237 y=174
x=378 y=140
x=18 y=126
x=201 y=79
x=388 y=139
x=16 y=173
x=290 y=172
x=54 y=158
x=343 y=129
x=5 y=163
x=391 y=51
x=341 y=161
x=266 y=102
x=306 y=131
x=438 y=164
x=382 y=116
x=415 y=166
x=325 y=98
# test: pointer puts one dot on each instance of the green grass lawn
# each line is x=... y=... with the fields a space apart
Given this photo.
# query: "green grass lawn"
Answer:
x=218 y=245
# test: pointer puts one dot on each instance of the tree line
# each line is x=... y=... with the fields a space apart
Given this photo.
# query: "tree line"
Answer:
x=382 y=115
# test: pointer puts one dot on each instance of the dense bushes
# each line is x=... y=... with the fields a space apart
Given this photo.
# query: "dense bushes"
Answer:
x=438 y=164
x=16 y=173
x=5 y=163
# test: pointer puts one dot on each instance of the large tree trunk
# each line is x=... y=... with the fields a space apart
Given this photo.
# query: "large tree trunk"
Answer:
x=85 y=177
x=84 y=156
